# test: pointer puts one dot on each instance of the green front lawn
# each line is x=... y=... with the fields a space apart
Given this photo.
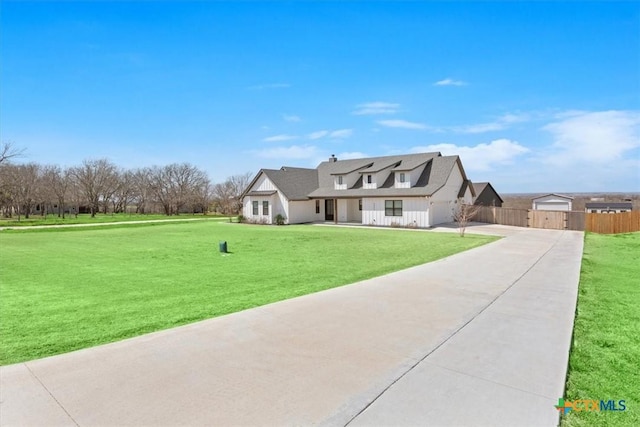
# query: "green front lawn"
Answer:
x=35 y=220
x=605 y=357
x=66 y=289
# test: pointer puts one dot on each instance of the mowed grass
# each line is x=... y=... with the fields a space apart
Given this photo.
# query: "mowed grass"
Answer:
x=37 y=220
x=605 y=357
x=66 y=289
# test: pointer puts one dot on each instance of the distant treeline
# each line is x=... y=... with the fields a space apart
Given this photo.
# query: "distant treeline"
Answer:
x=101 y=186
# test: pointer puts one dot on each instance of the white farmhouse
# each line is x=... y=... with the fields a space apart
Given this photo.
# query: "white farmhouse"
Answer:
x=418 y=190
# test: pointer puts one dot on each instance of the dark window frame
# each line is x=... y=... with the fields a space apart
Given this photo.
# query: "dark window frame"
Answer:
x=402 y=177
x=256 y=205
x=340 y=180
x=369 y=179
x=317 y=206
x=265 y=207
x=393 y=208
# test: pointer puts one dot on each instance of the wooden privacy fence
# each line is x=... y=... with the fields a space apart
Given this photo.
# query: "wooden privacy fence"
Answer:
x=624 y=222
x=504 y=216
x=575 y=220
x=554 y=220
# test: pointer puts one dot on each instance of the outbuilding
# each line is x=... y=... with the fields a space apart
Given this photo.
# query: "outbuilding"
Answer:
x=608 y=207
x=486 y=195
x=552 y=202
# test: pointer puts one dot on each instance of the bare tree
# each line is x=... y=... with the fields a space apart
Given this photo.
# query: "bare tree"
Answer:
x=8 y=151
x=75 y=194
x=124 y=191
x=227 y=194
x=96 y=179
x=160 y=185
x=45 y=198
x=176 y=186
x=57 y=182
x=101 y=186
x=22 y=186
x=142 y=191
x=201 y=201
x=189 y=181
x=7 y=189
x=464 y=215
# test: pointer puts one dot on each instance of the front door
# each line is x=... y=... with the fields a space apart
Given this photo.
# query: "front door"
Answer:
x=328 y=209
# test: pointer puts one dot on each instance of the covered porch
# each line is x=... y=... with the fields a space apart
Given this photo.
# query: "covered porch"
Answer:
x=344 y=210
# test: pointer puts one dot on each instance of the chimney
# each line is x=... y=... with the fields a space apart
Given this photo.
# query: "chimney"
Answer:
x=333 y=158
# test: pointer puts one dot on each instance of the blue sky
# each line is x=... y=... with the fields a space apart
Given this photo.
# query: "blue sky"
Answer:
x=534 y=97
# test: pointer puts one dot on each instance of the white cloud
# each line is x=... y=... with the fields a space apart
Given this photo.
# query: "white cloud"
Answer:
x=351 y=155
x=335 y=134
x=291 y=118
x=280 y=138
x=480 y=128
x=501 y=123
x=514 y=118
x=341 y=133
x=292 y=152
x=595 y=137
x=319 y=134
x=378 y=107
x=322 y=157
x=481 y=157
x=404 y=124
x=269 y=86
x=450 y=82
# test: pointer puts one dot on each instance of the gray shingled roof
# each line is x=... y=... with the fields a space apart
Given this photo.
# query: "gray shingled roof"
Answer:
x=261 y=193
x=303 y=184
x=380 y=165
x=415 y=160
x=433 y=178
x=295 y=183
x=479 y=187
x=463 y=188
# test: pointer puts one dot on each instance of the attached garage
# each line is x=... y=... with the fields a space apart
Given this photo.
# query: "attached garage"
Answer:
x=552 y=202
x=440 y=212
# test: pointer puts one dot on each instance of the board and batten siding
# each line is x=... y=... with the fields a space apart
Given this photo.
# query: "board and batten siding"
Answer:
x=441 y=211
x=341 y=209
x=411 y=177
x=278 y=203
x=415 y=211
x=353 y=213
x=348 y=181
x=301 y=211
x=348 y=210
x=275 y=207
x=443 y=203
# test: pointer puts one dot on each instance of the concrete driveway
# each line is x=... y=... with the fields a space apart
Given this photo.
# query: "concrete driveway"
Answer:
x=478 y=338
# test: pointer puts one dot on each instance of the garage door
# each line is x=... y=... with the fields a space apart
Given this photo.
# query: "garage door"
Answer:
x=552 y=206
x=440 y=213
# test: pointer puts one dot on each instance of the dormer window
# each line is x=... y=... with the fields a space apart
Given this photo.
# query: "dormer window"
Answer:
x=402 y=177
x=368 y=179
x=340 y=180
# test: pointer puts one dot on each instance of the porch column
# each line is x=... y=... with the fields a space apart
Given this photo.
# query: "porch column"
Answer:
x=335 y=211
